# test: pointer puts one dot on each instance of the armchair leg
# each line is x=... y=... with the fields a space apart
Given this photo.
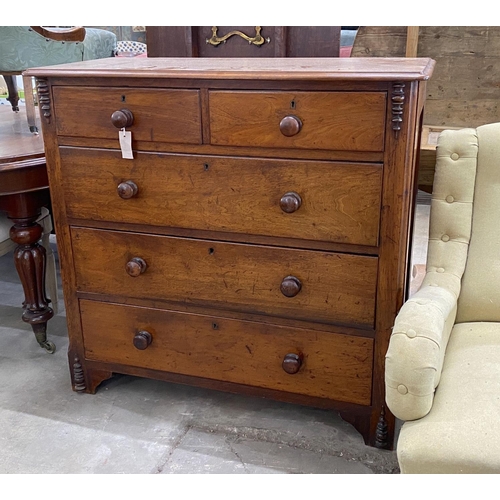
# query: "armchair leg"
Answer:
x=13 y=96
x=30 y=103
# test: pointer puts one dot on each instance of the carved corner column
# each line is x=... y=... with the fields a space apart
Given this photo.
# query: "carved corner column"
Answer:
x=84 y=378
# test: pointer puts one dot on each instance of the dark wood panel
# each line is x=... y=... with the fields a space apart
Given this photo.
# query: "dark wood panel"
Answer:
x=279 y=41
x=170 y=41
x=313 y=41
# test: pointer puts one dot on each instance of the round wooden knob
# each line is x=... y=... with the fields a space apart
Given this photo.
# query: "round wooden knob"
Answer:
x=290 y=125
x=142 y=340
x=127 y=189
x=292 y=363
x=135 y=267
x=122 y=118
x=290 y=202
x=290 y=286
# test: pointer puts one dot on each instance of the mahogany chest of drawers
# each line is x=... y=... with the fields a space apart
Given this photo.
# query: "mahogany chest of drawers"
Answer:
x=257 y=239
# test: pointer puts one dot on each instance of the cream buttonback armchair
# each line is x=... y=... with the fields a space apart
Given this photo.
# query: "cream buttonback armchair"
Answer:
x=443 y=362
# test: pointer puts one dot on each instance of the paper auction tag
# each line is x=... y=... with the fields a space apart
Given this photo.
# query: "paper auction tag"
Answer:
x=126 y=143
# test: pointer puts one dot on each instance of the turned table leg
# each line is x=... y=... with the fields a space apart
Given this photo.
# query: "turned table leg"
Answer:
x=13 y=94
x=29 y=258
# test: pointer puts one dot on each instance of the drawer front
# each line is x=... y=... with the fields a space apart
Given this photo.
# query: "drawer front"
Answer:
x=342 y=121
x=317 y=286
x=324 y=201
x=329 y=365
x=159 y=115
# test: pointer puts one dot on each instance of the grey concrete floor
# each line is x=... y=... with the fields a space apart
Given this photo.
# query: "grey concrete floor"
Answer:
x=139 y=426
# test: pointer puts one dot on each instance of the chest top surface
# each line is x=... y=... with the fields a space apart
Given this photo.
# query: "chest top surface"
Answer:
x=369 y=69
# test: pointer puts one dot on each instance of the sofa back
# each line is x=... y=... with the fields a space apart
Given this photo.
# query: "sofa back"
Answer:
x=479 y=299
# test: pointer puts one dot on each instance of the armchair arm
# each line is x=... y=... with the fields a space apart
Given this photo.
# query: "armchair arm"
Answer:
x=416 y=351
x=75 y=34
x=422 y=328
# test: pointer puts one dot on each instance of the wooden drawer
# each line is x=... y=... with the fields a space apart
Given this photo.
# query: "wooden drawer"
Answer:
x=342 y=121
x=159 y=115
x=339 y=202
x=335 y=288
x=331 y=366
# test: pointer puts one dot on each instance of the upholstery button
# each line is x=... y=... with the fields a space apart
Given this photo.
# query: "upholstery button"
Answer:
x=411 y=333
x=455 y=156
x=440 y=270
x=402 y=389
x=450 y=199
x=445 y=237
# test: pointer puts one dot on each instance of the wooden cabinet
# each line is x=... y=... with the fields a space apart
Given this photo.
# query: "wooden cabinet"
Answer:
x=243 y=41
x=257 y=241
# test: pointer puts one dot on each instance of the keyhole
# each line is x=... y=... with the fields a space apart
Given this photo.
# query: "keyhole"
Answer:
x=206 y=166
x=215 y=326
x=292 y=105
x=123 y=98
x=211 y=251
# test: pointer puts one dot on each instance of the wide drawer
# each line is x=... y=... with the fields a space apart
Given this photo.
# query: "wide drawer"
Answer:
x=342 y=121
x=159 y=115
x=303 y=284
x=328 y=365
x=309 y=200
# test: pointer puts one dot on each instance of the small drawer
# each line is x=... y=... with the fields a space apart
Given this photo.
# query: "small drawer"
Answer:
x=299 y=361
x=156 y=115
x=341 y=121
x=302 y=284
x=307 y=200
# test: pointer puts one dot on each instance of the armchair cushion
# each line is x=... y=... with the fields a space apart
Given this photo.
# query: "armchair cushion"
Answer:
x=480 y=296
x=98 y=44
x=460 y=434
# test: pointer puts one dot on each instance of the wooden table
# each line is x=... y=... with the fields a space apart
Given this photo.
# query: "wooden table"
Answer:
x=24 y=190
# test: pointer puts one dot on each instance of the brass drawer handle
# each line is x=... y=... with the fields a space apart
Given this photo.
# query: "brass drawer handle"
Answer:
x=290 y=202
x=127 y=190
x=122 y=118
x=135 y=267
x=142 y=340
x=290 y=286
x=290 y=125
x=258 y=39
x=292 y=363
